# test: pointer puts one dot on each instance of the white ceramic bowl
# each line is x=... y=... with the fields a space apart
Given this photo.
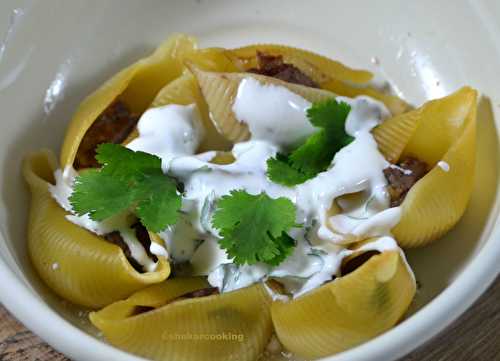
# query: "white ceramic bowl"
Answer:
x=53 y=53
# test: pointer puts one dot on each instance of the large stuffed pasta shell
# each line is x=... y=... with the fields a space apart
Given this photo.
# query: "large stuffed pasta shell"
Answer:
x=318 y=67
x=348 y=311
x=327 y=73
x=231 y=326
x=442 y=133
x=136 y=86
x=149 y=298
x=213 y=59
x=220 y=89
x=184 y=91
x=393 y=134
x=77 y=265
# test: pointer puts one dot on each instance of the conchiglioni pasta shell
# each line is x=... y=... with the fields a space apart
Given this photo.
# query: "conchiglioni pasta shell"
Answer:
x=317 y=67
x=184 y=91
x=220 y=89
x=214 y=59
x=348 y=311
x=76 y=264
x=153 y=296
x=393 y=103
x=136 y=86
x=445 y=131
x=329 y=74
x=231 y=326
x=393 y=135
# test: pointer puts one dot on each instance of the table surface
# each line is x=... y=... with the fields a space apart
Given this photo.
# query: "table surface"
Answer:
x=473 y=337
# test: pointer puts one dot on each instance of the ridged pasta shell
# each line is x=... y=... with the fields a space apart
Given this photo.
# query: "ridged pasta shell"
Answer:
x=184 y=90
x=393 y=103
x=89 y=271
x=445 y=131
x=220 y=89
x=231 y=326
x=135 y=85
x=317 y=67
x=329 y=74
x=393 y=135
x=348 y=311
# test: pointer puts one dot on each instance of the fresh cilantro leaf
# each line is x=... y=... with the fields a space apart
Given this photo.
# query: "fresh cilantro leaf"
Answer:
x=316 y=154
x=253 y=227
x=286 y=245
x=329 y=114
x=100 y=195
x=125 y=163
x=280 y=168
x=127 y=180
x=159 y=205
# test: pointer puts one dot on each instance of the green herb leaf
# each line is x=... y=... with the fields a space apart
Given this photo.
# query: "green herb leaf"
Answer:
x=99 y=194
x=280 y=170
x=125 y=163
x=316 y=154
x=253 y=227
x=127 y=180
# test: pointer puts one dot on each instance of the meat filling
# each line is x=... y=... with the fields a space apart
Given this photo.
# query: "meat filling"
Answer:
x=402 y=177
x=112 y=126
x=209 y=291
x=352 y=264
x=273 y=66
x=142 y=236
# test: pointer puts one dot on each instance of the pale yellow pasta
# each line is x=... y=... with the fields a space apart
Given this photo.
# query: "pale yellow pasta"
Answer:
x=136 y=86
x=185 y=90
x=442 y=130
x=319 y=68
x=77 y=265
x=219 y=90
x=393 y=103
x=348 y=311
x=231 y=326
x=91 y=271
x=151 y=297
x=213 y=59
x=327 y=73
x=393 y=134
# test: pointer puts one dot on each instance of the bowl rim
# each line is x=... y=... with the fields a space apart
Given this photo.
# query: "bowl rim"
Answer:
x=454 y=300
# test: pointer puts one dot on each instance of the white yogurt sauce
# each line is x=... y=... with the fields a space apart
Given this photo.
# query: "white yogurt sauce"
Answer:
x=272 y=112
x=444 y=166
x=277 y=120
x=158 y=250
x=181 y=135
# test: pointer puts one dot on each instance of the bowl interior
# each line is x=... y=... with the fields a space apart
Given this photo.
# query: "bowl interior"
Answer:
x=53 y=54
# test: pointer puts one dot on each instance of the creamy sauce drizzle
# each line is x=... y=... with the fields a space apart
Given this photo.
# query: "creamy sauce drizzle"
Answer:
x=443 y=165
x=273 y=112
x=345 y=204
